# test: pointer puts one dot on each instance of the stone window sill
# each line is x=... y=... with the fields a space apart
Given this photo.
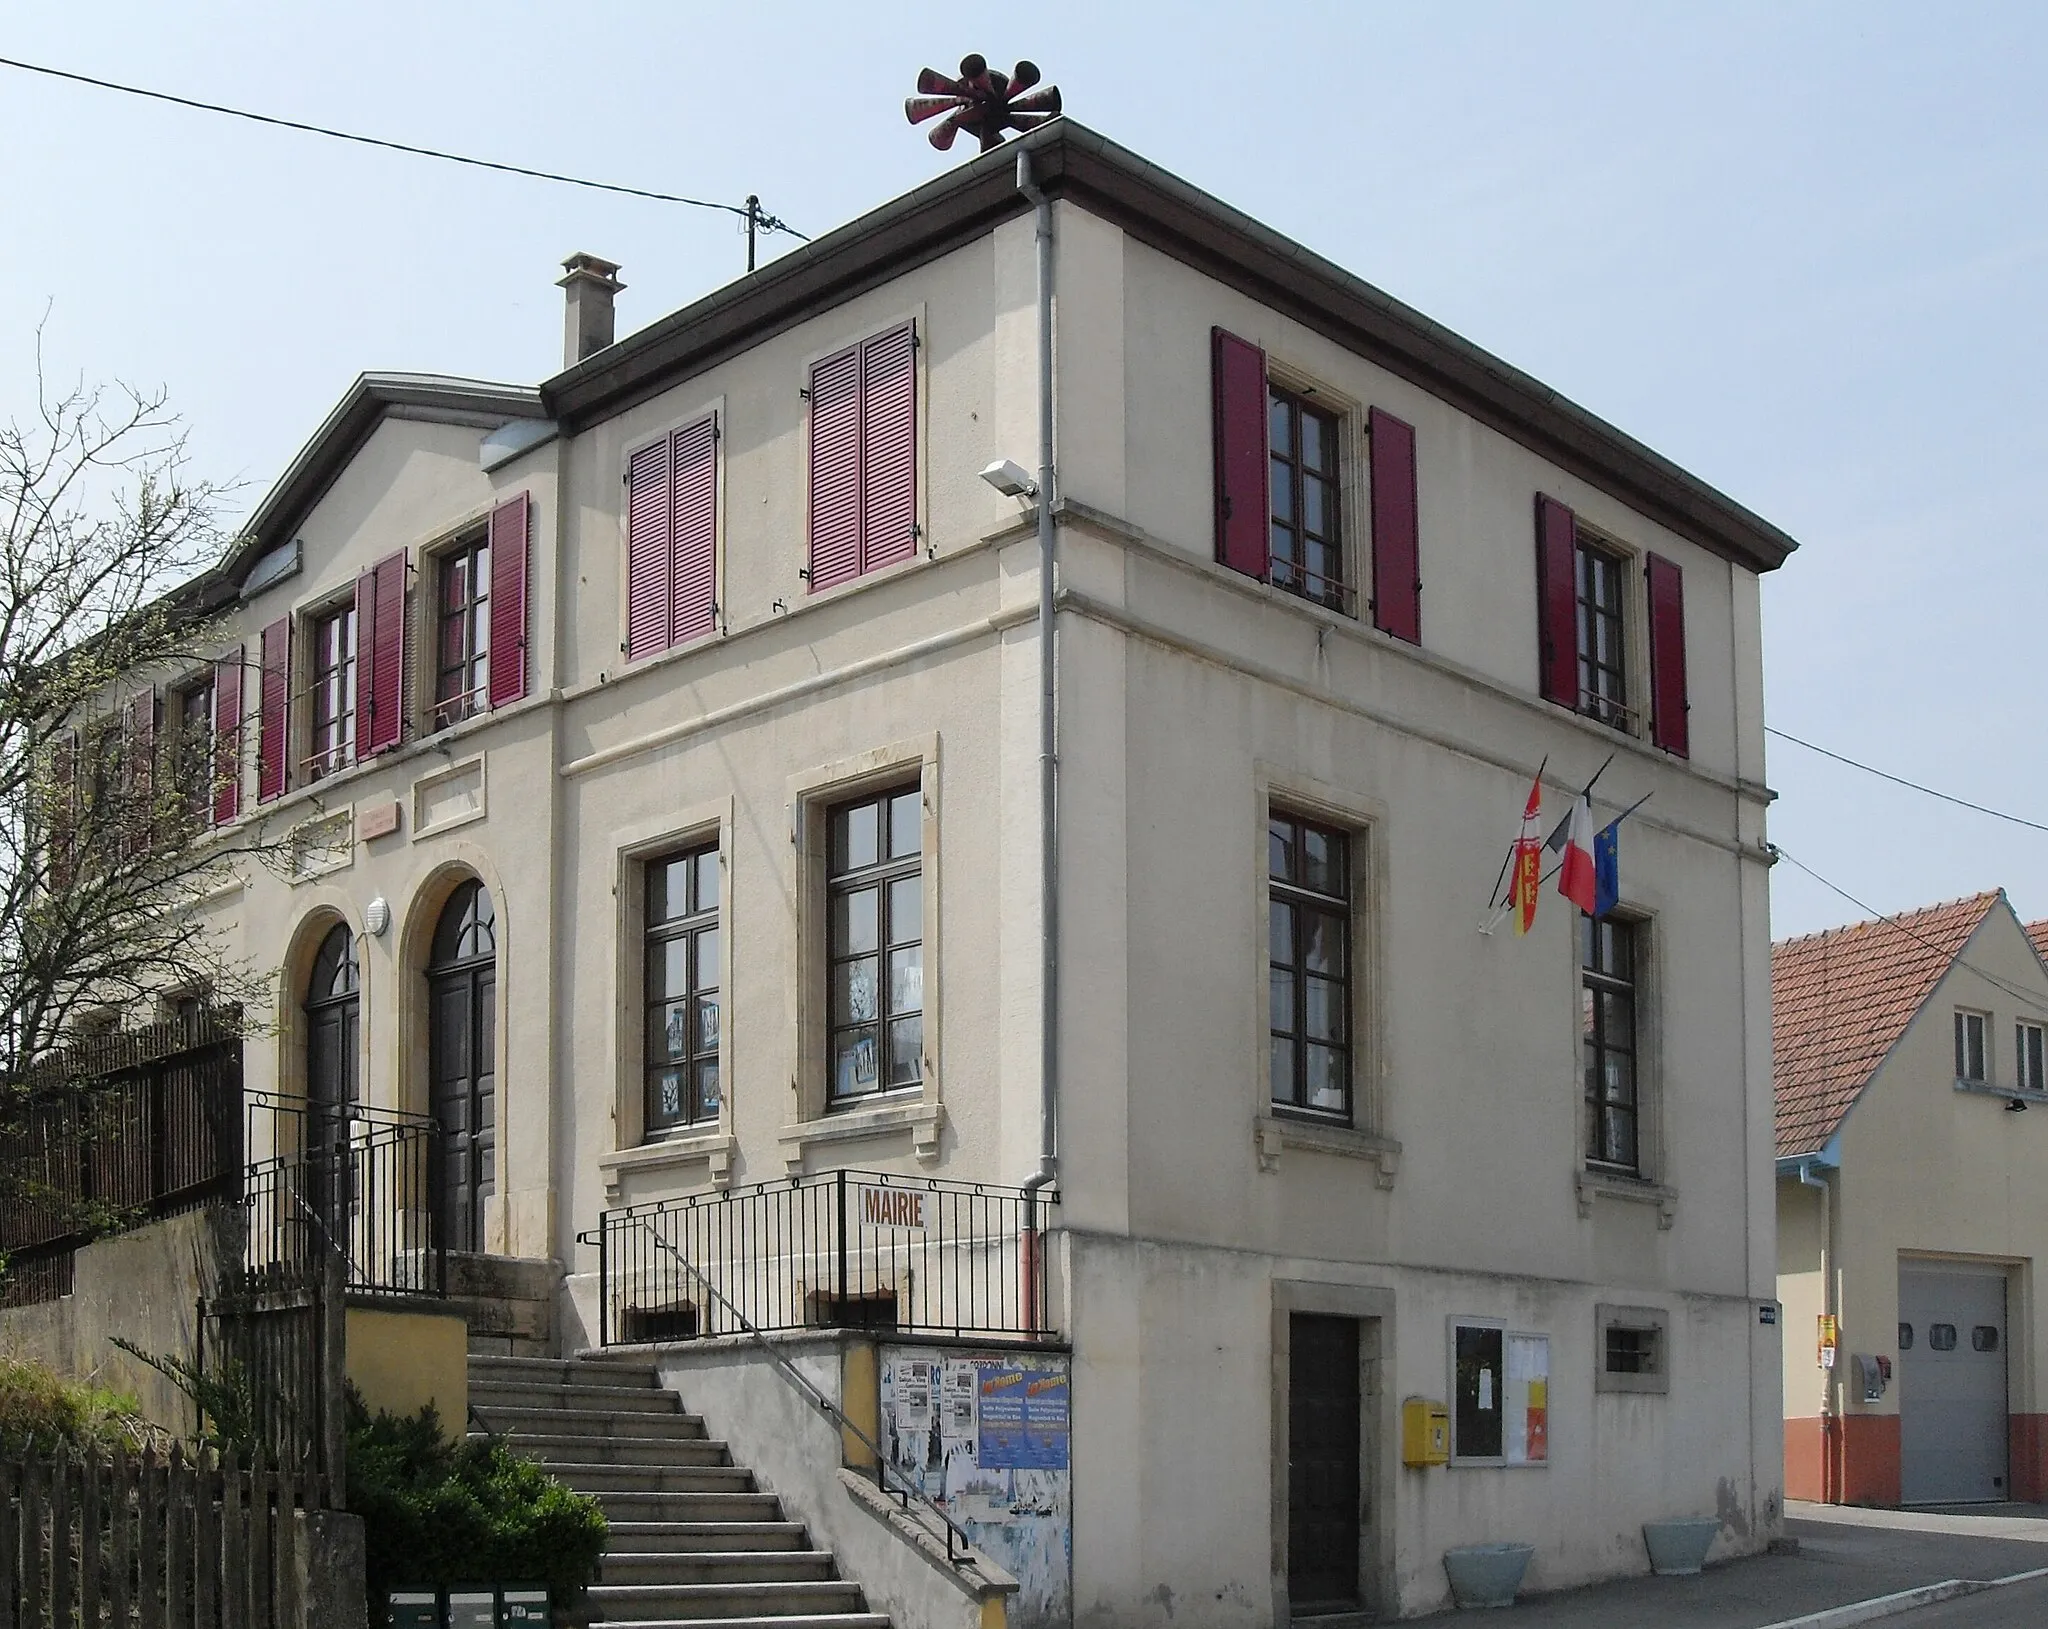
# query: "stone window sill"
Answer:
x=1594 y=1185
x=1273 y=1132
x=671 y=1153
x=924 y=1121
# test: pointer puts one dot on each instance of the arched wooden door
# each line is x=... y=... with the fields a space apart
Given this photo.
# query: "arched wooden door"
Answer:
x=334 y=1006
x=462 y=980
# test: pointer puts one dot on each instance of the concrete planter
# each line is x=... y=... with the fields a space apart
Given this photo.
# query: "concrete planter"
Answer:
x=1487 y=1574
x=1678 y=1548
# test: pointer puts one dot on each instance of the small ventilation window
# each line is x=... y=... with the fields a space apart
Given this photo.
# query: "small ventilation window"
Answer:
x=1941 y=1337
x=670 y=1323
x=1984 y=1338
x=1905 y=1337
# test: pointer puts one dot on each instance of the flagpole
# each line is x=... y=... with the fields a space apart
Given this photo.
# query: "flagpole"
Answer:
x=1585 y=791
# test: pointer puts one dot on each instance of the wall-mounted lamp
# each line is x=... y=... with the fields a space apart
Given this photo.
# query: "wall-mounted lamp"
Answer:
x=376 y=917
x=2015 y=1105
x=1010 y=480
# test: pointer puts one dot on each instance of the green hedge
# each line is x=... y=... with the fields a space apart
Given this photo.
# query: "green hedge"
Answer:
x=439 y=1513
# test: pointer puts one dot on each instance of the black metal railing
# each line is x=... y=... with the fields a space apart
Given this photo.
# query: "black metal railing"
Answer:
x=119 y=1130
x=840 y=1249
x=360 y=1180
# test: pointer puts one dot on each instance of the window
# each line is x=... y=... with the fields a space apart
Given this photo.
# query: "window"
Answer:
x=1306 y=556
x=1607 y=1027
x=1309 y=965
x=333 y=737
x=875 y=967
x=863 y=512
x=1905 y=1337
x=2031 y=1045
x=192 y=752
x=1941 y=1337
x=1631 y=1350
x=1971 y=1029
x=1586 y=603
x=1984 y=1338
x=462 y=632
x=1603 y=652
x=682 y=989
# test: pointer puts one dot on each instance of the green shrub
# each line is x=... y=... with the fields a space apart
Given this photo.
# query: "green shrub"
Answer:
x=437 y=1513
x=37 y=1402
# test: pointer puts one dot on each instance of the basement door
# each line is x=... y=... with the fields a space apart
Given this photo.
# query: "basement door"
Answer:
x=1952 y=1422
x=1322 y=1464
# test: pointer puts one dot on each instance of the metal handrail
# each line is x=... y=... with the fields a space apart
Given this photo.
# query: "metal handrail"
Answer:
x=906 y=1490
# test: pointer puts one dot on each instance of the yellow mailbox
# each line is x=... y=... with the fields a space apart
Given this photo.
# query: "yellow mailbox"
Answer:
x=1425 y=1432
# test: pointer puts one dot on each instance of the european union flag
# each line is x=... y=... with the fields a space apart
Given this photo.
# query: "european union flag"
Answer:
x=1607 y=868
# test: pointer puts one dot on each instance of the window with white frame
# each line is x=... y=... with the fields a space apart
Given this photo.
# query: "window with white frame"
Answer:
x=1609 y=952
x=682 y=990
x=875 y=953
x=1308 y=871
x=1973 y=1053
x=2031 y=1047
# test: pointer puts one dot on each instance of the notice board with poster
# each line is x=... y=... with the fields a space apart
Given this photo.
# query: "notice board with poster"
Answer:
x=985 y=1435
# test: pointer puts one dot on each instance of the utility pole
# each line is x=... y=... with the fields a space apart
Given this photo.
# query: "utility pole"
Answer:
x=753 y=221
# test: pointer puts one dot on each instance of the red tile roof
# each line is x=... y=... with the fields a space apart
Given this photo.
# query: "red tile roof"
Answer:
x=2038 y=932
x=1840 y=1000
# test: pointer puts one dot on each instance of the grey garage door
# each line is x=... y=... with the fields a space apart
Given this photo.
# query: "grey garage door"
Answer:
x=1951 y=1384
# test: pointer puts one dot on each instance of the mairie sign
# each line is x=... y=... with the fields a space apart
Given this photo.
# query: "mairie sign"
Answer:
x=891 y=1207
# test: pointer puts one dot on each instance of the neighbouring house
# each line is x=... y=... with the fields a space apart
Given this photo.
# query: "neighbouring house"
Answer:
x=661 y=748
x=1910 y=1212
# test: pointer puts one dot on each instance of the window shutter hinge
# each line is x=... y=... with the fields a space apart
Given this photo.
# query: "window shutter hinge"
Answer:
x=804 y=391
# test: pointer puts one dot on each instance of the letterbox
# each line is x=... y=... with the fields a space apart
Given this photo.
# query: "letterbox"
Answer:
x=475 y=1608
x=1871 y=1374
x=1425 y=1432
x=523 y=1607
x=414 y=1608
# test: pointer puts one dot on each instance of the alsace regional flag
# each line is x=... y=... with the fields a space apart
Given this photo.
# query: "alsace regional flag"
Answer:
x=1527 y=877
x=1576 y=878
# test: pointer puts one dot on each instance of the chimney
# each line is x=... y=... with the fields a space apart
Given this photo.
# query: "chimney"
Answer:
x=591 y=283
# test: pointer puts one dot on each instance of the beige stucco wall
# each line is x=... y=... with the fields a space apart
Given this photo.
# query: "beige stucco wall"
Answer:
x=1189 y=697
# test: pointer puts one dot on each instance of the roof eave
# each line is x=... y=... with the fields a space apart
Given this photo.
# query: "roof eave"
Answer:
x=1158 y=208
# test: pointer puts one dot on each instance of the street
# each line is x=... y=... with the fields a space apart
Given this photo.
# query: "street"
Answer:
x=2017 y=1606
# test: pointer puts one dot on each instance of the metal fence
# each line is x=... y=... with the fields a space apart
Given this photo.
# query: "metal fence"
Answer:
x=194 y=1541
x=841 y=1249
x=121 y=1129
x=362 y=1181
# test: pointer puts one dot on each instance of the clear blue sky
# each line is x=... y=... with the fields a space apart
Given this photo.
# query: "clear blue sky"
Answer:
x=1800 y=249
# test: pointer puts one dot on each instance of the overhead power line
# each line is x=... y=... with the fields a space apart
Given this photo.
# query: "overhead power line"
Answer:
x=2025 y=997
x=1900 y=780
x=750 y=211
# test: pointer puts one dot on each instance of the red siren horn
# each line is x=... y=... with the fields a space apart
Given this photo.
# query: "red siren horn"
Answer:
x=984 y=102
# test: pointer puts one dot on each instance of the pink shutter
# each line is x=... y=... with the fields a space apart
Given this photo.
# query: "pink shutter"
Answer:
x=227 y=737
x=1396 y=540
x=380 y=637
x=1670 y=726
x=888 y=388
x=511 y=527
x=273 y=717
x=835 y=554
x=141 y=771
x=1557 y=601
x=694 y=572
x=1243 y=538
x=63 y=808
x=648 y=506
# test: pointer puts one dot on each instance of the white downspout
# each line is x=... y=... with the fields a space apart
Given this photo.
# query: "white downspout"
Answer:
x=1048 y=773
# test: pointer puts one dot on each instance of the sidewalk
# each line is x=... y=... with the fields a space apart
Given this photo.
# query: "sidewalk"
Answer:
x=1846 y=1555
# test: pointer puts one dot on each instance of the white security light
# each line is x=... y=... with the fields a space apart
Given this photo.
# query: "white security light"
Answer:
x=1009 y=480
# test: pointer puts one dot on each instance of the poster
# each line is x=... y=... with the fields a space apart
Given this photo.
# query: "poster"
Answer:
x=988 y=1436
x=1526 y=1428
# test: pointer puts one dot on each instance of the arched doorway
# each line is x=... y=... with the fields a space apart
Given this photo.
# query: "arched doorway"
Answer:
x=462 y=980
x=334 y=1005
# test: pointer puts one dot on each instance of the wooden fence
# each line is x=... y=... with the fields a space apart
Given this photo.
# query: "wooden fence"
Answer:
x=116 y=1541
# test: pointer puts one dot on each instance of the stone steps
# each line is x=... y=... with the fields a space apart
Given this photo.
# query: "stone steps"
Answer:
x=694 y=1541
